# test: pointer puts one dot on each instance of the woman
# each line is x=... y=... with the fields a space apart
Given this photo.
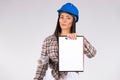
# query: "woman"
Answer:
x=68 y=15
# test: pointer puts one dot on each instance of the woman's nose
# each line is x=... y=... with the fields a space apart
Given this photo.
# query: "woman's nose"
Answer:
x=64 y=20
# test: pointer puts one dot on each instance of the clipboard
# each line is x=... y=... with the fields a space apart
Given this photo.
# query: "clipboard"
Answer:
x=71 y=54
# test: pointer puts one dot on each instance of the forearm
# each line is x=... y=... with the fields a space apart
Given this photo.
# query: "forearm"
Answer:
x=40 y=73
x=89 y=50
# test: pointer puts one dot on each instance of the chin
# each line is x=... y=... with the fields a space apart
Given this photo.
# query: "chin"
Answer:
x=64 y=28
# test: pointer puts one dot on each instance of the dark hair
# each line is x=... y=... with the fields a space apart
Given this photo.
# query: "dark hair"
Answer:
x=58 y=28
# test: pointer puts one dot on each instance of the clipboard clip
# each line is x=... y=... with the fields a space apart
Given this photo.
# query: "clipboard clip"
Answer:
x=67 y=38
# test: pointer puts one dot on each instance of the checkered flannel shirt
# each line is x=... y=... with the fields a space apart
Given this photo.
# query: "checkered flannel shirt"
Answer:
x=49 y=58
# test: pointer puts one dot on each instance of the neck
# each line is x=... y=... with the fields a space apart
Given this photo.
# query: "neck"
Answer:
x=64 y=32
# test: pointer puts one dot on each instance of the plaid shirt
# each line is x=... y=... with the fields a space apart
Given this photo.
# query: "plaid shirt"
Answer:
x=49 y=57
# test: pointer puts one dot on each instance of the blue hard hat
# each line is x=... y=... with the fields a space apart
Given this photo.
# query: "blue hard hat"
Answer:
x=70 y=8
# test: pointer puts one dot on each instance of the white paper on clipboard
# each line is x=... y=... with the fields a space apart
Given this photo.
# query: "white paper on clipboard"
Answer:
x=71 y=56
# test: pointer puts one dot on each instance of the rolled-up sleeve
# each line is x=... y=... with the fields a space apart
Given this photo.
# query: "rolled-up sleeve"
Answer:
x=89 y=50
x=42 y=63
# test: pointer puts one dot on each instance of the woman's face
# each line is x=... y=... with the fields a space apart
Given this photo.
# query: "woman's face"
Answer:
x=65 y=21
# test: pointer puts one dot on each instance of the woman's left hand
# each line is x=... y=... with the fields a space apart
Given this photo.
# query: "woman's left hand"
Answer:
x=72 y=36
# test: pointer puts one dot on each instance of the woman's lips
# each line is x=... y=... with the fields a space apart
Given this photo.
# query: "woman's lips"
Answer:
x=63 y=24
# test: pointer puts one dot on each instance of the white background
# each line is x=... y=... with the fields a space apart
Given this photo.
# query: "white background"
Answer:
x=24 y=24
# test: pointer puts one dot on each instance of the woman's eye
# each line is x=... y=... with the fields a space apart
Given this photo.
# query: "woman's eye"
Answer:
x=65 y=17
x=61 y=17
x=69 y=18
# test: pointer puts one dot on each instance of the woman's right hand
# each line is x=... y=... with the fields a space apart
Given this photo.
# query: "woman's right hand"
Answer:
x=72 y=35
